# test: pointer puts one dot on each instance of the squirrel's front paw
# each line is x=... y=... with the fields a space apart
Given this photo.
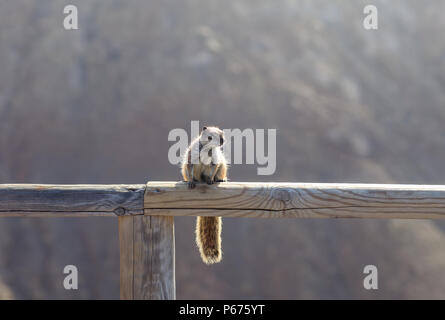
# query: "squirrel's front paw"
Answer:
x=221 y=180
x=191 y=184
x=210 y=180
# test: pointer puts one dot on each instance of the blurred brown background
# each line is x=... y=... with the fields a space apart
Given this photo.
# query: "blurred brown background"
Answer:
x=96 y=105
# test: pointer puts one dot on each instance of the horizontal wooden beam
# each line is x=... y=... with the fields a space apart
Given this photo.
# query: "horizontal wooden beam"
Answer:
x=298 y=200
x=230 y=199
x=38 y=200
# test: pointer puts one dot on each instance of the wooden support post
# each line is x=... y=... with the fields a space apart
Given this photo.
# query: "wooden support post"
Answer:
x=147 y=257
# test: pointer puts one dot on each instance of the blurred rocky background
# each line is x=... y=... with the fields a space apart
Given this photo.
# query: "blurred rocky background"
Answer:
x=95 y=105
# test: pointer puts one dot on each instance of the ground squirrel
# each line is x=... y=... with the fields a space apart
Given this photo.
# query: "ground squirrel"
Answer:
x=204 y=161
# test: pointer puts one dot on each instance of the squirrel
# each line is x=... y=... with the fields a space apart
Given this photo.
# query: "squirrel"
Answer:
x=204 y=161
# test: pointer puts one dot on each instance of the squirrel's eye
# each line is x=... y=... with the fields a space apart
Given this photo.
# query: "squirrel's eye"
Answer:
x=210 y=138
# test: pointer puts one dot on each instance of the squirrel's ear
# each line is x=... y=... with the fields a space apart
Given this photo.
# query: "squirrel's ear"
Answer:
x=204 y=128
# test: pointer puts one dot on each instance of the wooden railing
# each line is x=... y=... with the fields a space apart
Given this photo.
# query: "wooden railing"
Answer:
x=145 y=214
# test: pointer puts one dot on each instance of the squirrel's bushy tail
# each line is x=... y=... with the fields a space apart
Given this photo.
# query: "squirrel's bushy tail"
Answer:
x=208 y=238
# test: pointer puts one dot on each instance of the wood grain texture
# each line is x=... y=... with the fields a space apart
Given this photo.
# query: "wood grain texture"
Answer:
x=147 y=258
x=126 y=257
x=70 y=200
x=154 y=258
x=301 y=200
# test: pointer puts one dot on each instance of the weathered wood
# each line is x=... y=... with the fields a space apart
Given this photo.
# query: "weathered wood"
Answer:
x=146 y=226
x=147 y=256
x=302 y=200
x=70 y=200
x=230 y=199
x=126 y=257
x=154 y=256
